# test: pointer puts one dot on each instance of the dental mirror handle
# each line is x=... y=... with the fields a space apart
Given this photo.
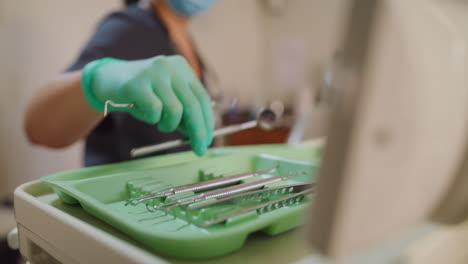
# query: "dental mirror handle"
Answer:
x=136 y=152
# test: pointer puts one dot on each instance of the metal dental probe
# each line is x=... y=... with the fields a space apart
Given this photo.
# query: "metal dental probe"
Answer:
x=200 y=186
x=263 y=208
x=226 y=191
x=266 y=119
x=258 y=194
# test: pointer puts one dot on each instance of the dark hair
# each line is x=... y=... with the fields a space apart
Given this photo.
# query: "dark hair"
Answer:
x=130 y=2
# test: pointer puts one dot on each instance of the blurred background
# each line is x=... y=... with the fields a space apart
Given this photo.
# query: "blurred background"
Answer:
x=258 y=52
x=279 y=53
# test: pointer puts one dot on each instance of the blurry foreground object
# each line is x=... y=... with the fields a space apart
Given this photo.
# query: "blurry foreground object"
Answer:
x=396 y=151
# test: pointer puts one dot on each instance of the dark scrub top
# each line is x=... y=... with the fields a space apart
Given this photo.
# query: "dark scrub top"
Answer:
x=130 y=34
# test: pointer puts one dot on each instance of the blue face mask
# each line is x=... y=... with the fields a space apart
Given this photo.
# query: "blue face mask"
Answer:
x=190 y=7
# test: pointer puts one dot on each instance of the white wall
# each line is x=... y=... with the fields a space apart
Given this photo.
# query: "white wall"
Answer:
x=262 y=55
x=298 y=42
x=37 y=40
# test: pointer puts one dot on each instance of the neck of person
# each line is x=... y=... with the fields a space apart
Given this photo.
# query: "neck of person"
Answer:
x=177 y=25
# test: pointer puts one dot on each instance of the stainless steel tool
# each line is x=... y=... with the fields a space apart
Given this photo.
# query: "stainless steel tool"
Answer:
x=257 y=195
x=109 y=103
x=221 y=192
x=267 y=119
x=200 y=186
x=262 y=208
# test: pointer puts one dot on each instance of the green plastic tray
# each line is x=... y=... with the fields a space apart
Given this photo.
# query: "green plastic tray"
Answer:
x=102 y=192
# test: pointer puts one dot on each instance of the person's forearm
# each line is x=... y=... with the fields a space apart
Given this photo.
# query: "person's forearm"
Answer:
x=59 y=115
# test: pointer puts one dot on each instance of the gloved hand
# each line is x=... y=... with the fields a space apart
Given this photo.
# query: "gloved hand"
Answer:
x=163 y=89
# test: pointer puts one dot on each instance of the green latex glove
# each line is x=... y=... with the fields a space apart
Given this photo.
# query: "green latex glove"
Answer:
x=163 y=89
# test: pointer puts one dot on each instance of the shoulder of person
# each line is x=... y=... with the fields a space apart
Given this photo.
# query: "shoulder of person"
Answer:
x=130 y=20
x=128 y=34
